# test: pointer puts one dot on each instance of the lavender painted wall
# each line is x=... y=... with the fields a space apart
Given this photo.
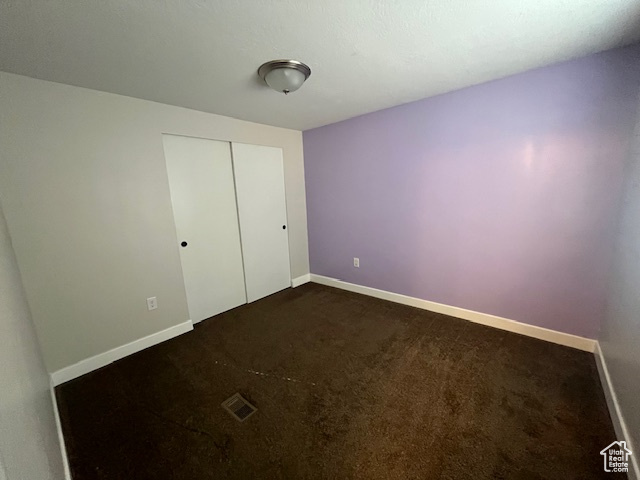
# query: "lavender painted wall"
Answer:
x=499 y=198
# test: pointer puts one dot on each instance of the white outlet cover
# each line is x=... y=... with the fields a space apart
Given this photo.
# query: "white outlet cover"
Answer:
x=152 y=303
x=356 y=262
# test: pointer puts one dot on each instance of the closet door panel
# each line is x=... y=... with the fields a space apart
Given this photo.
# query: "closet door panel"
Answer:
x=202 y=189
x=259 y=177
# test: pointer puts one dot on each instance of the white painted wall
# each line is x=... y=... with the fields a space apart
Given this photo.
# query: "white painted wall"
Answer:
x=85 y=192
x=620 y=335
x=29 y=445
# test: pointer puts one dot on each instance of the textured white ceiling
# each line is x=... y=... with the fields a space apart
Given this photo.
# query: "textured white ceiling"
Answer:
x=364 y=55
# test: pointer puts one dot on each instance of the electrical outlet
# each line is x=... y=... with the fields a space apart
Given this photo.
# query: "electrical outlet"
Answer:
x=356 y=262
x=152 y=303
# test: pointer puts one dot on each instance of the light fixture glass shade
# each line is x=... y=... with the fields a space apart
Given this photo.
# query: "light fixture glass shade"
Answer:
x=284 y=75
x=285 y=79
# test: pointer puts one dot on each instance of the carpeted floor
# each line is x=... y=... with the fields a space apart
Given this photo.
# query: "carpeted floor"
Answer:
x=346 y=386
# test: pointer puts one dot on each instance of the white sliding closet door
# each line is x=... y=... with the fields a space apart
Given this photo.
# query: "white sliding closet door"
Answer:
x=259 y=176
x=204 y=208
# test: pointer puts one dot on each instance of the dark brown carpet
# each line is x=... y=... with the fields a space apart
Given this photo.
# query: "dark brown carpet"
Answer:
x=347 y=386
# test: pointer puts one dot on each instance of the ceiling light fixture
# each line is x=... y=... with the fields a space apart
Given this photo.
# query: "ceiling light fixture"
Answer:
x=284 y=75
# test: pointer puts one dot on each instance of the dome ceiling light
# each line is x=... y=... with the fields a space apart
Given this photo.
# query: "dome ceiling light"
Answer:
x=284 y=75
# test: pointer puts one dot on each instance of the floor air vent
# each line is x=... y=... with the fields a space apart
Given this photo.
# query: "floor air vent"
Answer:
x=238 y=407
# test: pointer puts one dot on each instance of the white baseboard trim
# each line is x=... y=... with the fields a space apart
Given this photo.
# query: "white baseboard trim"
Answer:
x=63 y=447
x=98 y=361
x=296 y=282
x=541 y=333
x=619 y=424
